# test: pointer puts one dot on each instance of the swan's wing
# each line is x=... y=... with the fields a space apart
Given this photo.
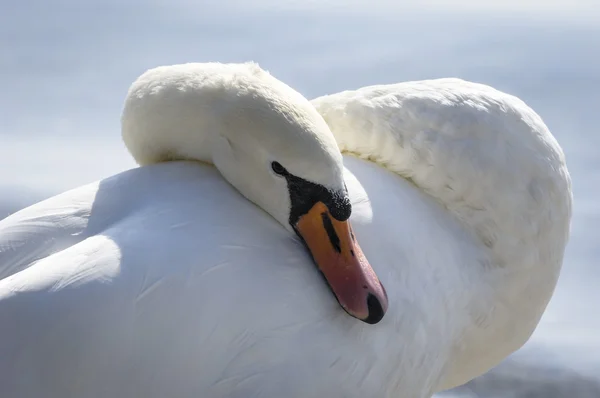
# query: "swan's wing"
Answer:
x=165 y=281
x=161 y=281
x=44 y=229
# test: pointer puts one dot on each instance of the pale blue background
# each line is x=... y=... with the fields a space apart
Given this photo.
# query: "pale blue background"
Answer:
x=65 y=67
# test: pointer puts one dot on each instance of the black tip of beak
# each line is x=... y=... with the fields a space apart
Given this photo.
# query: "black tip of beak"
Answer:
x=376 y=312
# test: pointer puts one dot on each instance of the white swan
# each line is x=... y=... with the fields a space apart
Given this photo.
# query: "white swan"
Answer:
x=165 y=281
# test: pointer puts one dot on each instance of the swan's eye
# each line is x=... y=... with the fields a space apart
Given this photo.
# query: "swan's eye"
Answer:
x=278 y=168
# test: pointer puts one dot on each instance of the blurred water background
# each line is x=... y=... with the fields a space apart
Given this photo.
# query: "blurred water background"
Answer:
x=65 y=66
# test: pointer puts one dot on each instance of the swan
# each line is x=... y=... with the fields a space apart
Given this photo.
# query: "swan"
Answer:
x=391 y=241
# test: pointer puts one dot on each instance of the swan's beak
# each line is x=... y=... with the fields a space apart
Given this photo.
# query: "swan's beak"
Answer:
x=339 y=258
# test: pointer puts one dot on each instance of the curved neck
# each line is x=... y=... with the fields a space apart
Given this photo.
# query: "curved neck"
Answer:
x=490 y=162
x=493 y=166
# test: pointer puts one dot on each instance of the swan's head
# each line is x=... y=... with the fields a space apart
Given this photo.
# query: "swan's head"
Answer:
x=272 y=145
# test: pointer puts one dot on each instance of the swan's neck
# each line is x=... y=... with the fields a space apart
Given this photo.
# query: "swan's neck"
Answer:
x=494 y=166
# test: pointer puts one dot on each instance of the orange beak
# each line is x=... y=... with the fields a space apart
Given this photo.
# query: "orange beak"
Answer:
x=342 y=262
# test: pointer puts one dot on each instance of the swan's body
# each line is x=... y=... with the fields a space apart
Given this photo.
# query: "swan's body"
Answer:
x=165 y=281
